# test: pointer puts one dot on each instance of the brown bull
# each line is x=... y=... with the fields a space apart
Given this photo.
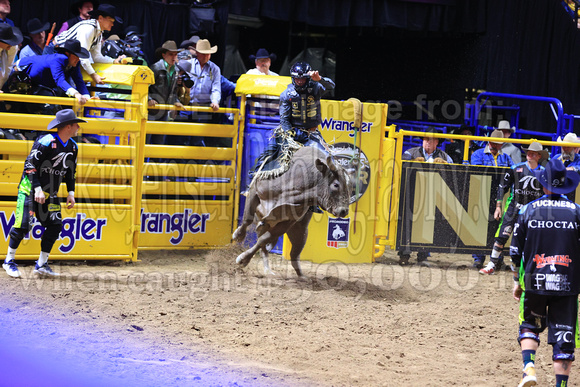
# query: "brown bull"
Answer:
x=281 y=205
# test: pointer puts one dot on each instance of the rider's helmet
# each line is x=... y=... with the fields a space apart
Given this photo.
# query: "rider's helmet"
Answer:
x=300 y=73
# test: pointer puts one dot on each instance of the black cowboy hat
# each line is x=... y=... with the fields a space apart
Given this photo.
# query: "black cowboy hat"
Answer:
x=186 y=44
x=106 y=10
x=556 y=178
x=134 y=30
x=74 y=8
x=263 y=53
x=10 y=35
x=74 y=47
x=431 y=129
x=35 y=26
x=64 y=117
x=464 y=127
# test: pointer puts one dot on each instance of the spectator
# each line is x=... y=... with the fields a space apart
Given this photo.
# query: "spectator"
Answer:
x=520 y=180
x=206 y=90
x=4 y=12
x=430 y=153
x=263 y=61
x=82 y=11
x=188 y=52
x=569 y=156
x=456 y=147
x=508 y=148
x=163 y=91
x=545 y=251
x=52 y=71
x=90 y=34
x=37 y=33
x=44 y=171
x=491 y=156
x=10 y=38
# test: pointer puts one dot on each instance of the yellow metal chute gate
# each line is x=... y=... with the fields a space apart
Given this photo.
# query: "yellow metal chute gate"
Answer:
x=116 y=212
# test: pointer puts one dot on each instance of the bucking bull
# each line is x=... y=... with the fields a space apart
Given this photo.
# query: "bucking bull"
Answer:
x=280 y=205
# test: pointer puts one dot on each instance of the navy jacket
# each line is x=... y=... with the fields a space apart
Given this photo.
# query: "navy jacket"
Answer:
x=51 y=71
x=545 y=246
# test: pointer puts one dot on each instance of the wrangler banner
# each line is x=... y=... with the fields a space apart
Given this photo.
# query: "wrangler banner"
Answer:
x=448 y=207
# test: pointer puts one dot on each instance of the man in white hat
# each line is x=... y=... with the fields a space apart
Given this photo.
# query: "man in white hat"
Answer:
x=508 y=148
x=520 y=181
x=53 y=158
x=569 y=156
x=206 y=90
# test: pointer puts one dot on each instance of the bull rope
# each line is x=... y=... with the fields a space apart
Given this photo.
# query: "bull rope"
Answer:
x=357 y=107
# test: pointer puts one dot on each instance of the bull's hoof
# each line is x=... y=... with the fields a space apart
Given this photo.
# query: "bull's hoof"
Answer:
x=270 y=273
x=243 y=259
x=239 y=235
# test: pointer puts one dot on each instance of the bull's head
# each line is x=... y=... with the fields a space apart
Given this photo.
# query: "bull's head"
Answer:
x=336 y=188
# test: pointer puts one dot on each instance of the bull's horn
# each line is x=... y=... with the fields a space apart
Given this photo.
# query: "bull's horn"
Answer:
x=331 y=164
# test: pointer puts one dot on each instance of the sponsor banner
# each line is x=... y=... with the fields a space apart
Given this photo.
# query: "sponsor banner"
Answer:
x=184 y=225
x=448 y=208
x=358 y=242
x=85 y=233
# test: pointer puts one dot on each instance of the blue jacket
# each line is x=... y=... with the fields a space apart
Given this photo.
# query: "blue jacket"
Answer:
x=481 y=157
x=570 y=163
x=51 y=71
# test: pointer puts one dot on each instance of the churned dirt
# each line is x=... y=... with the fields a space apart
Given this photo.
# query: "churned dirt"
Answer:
x=194 y=318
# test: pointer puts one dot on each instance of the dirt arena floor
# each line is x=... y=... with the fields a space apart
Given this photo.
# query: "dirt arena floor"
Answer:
x=194 y=318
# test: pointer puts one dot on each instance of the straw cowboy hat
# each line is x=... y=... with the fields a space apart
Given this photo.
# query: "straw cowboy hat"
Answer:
x=505 y=125
x=570 y=137
x=64 y=117
x=537 y=147
x=495 y=134
x=556 y=178
x=262 y=54
x=203 y=46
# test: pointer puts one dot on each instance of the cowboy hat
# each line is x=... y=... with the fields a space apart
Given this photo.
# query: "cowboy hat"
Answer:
x=74 y=8
x=431 y=130
x=556 y=178
x=495 y=134
x=505 y=125
x=463 y=127
x=184 y=65
x=10 y=35
x=64 y=117
x=186 y=44
x=114 y=37
x=169 y=45
x=106 y=10
x=35 y=26
x=569 y=137
x=74 y=47
x=194 y=39
x=537 y=147
x=203 y=46
x=262 y=54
